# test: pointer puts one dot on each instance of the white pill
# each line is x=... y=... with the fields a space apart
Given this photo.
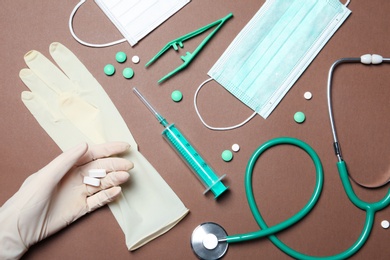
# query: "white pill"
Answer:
x=135 y=59
x=385 y=224
x=235 y=147
x=308 y=95
x=210 y=241
x=91 y=181
x=97 y=173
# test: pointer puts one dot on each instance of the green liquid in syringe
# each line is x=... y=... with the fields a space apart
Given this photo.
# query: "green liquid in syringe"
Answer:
x=188 y=153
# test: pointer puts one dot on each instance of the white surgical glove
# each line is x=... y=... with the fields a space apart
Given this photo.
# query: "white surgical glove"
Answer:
x=55 y=196
x=72 y=107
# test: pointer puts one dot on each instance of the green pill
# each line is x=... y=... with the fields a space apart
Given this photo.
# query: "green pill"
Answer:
x=121 y=57
x=109 y=69
x=128 y=73
x=299 y=117
x=227 y=155
x=176 y=96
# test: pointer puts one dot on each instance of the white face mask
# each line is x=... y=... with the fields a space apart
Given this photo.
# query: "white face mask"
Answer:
x=133 y=18
x=273 y=50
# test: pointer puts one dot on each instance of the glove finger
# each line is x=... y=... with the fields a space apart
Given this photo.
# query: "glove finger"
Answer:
x=36 y=85
x=102 y=198
x=103 y=150
x=111 y=180
x=109 y=164
x=48 y=72
x=38 y=108
x=71 y=66
x=56 y=169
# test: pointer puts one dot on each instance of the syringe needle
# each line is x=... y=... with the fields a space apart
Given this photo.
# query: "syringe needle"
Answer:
x=159 y=117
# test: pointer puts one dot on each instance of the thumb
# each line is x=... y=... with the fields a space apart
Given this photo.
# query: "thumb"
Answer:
x=102 y=198
x=57 y=168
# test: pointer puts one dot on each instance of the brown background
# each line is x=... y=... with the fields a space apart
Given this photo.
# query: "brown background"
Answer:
x=284 y=179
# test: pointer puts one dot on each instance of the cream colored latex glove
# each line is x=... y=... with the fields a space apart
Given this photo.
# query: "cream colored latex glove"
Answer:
x=55 y=196
x=71 y=107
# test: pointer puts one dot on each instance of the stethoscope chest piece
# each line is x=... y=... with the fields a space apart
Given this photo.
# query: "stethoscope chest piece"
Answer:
x=206 y=241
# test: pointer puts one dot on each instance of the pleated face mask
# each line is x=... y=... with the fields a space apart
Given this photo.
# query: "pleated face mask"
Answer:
x=273 y=50
x=133 y=18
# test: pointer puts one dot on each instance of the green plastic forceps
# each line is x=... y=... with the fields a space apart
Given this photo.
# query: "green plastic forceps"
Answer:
x=179 y=41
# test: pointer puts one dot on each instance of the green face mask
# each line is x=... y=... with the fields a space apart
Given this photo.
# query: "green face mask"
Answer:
x=274 y=48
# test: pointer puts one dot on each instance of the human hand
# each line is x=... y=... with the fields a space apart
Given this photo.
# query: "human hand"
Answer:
x=55 y=196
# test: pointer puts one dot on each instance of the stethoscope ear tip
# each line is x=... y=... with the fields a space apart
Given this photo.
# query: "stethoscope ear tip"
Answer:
x=206 y=241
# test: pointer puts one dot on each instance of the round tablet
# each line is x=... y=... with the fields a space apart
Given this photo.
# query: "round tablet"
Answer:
x=128 y=73
x=121 y=57
x=210 y=241
x=308 y=95
x=385 y=224
x=135 y=59
x=109 y=69
x=299 y=117
x=227 y=155
x=176 y=96
x=235 y=147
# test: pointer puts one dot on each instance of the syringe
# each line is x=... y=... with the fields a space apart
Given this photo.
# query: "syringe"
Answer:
x=188 y=153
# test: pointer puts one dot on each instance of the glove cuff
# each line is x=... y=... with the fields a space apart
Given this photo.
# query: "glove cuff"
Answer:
x=11 y=244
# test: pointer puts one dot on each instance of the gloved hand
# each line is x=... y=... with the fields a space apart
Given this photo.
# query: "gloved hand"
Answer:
x=72 y=107
x=55 y=196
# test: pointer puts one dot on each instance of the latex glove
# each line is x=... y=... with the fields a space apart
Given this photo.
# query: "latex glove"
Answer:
x=55 y=196
x=72 y=107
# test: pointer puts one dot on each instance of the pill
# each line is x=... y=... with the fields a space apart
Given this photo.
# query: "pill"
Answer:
x=308 y=95
x=235 y=147
x=97 y=173
x=91 y=181
x=385 y=224
x=128 y=73
x=227 y=155
x=121 y=57
x=135 y=59
x=176 y=96
x=299 y=117
x=109 y=69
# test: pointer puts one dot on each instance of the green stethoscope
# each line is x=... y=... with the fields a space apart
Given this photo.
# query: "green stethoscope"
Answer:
x=210 y=241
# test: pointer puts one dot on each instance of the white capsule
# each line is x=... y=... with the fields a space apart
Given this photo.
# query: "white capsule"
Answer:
x=91 y=181
x=97 y=173
x=366 y=59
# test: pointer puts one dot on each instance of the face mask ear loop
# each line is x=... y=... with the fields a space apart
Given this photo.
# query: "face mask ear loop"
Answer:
x=347 y=3
x=212 y=127
x=83 y=42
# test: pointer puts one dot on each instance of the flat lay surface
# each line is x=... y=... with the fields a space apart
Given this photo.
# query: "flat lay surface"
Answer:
x=284 y=177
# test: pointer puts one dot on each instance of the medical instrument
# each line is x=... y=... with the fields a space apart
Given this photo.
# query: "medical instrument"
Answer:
x=271 y=52
x=187 y=59
x=203 y=234
x=188 y=153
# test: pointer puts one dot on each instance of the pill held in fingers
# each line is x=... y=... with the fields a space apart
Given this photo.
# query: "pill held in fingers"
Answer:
x=91 y=181
x=97 y=173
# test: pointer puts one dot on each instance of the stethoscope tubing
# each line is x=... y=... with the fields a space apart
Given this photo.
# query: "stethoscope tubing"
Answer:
x=370 y=208
x=252 y=202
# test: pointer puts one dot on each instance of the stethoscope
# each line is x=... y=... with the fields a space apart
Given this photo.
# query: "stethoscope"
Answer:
x=210 y=241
